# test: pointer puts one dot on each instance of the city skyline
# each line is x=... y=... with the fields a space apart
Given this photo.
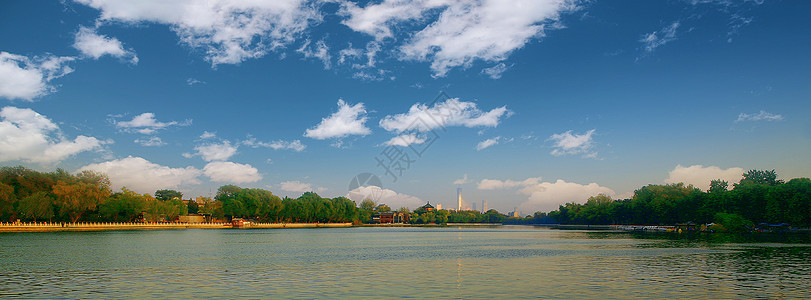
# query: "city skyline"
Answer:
x=523 y=104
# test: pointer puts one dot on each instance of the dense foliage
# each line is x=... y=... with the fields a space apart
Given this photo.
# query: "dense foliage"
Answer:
x=261 y=205
x=60 y=196
x=758 y=198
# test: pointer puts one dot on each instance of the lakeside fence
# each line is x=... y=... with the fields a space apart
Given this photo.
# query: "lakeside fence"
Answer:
x=70 y=226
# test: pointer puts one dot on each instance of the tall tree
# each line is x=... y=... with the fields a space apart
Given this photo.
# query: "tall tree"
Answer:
x=718 y=186
x=38 y=205
x=761 y=177
x=164 y=195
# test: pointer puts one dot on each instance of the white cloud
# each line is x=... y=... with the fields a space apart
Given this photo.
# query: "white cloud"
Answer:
x=300 y=187
x=451 y=112
x=94 y=45
x=226 y=171
x=567 y=143
x=228 y=31
x=655 y=39
x=761 y=116
x=494 y=184
x=700 y=176
x=486 y=30
x=461 y=181
x=384 y=196
x=294 y=145
x=207 y=135
x=28 y=136
x=151 y=142
x=487 y=143
x=143 y=176
x=193 y=81
x=547 y=196
x=406 y=139
x=378 y=19
x=348 y=120
x=146 y=123
x=25 y=78
x=319 y=51
x=216 y=152
x=495 y=72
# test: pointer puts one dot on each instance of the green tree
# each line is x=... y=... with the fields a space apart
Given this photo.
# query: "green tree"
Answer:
x=761 y=177
x=164 y=195
x=718 y=186
x=124 y=206
x=37 y=205
x=85 y=193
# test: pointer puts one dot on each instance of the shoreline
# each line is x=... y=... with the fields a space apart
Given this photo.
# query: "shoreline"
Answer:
x=107 y=226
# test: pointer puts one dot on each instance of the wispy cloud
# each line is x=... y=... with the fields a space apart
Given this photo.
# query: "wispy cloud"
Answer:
x=761 y=116
x=487 y=143
x=294 y=145
x=567 y=144
x=406 y=139
x=656 y=39
x=495 y=72
x=146 y=123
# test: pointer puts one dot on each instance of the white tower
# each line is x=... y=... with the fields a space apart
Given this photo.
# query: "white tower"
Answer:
x=459 y=199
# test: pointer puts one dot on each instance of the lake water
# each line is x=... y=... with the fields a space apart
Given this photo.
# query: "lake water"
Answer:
x=468 y=263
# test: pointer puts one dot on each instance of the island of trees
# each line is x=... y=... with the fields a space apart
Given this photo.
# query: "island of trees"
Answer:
x=60 y=196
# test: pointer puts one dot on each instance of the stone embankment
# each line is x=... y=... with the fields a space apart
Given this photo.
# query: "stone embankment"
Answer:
x=100 y=226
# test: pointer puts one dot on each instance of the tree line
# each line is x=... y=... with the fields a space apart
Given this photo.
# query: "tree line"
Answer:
x=759 y=197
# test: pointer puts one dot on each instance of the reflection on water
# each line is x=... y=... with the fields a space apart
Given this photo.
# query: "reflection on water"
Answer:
x=508 y=262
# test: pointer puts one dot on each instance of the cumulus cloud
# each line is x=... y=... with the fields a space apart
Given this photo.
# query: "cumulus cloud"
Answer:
x=294 y=145
x=487 y=143
x=495 y=184
x=143 y=176
x=26 y=78
x=146 y=123
x=465 y=30
x=385 y=196
x=761 y=116
x=700 y=176
x=150 y=142
x=567 y=143
x=348 y=120
x=230 y=172
x=28 y=136
x=655 y=39
x=451 y=112
x=406 y=139
x=229 y=32
x=300 y=187
x=215 y=151
x=547 y=196
x=94 y=45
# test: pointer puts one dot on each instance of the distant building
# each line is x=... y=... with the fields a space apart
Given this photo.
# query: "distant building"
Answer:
x=391 y=217
x=424 y=208
x=438 y=206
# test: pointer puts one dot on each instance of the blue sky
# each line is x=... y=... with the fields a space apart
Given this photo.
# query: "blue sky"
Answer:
x=524 y=104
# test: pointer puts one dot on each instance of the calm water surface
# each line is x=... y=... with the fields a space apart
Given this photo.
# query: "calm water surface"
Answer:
x=469 y=263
